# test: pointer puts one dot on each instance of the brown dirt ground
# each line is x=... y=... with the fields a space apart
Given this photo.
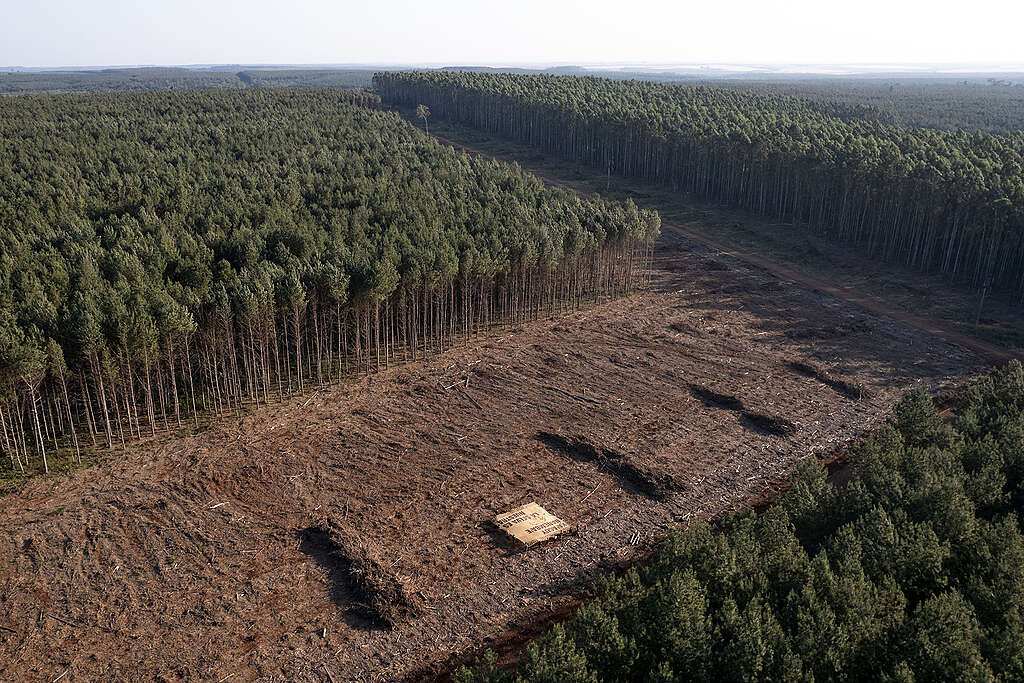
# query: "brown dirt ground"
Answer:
x=191 y=559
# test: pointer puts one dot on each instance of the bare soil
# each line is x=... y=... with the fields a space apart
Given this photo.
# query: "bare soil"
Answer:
x=346 y=536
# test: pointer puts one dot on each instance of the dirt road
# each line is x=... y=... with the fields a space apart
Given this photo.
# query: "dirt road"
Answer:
x=678 y=233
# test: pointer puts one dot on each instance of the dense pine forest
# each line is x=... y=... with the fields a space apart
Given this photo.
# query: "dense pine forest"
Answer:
x=166 y=254
x=981 y=105
x=116 y=80
x=146 y=79
x=993 y=106
x=308 y=78
x=914 y=570
x=949 y=202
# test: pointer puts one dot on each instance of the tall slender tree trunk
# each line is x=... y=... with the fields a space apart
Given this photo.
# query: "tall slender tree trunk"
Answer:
x=103 y=399
x=39 y=432
x=71 y=420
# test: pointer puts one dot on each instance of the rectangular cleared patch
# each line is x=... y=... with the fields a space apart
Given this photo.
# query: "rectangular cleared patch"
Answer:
x=530 y=524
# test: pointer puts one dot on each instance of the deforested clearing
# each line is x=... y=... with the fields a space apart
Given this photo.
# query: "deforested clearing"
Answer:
x=188 y=558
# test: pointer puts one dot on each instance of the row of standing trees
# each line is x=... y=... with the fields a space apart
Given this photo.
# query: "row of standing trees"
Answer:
x=949 y=202
x=168 y=256
x=988 y=106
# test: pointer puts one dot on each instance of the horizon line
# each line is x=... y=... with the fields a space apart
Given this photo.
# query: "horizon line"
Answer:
x=882 y=66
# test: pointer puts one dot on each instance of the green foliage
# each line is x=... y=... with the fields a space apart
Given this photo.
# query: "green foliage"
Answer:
x=116 y=80
x=944 y=201
x=308 y=78
x=556 y=659
x=910 y=572
x=167 y=78
x=946 y=103
x=915 y=419
x=162 y=254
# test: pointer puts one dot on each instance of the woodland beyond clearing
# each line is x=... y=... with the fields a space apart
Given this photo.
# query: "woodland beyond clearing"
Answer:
x=940 y=202
x=931 y=303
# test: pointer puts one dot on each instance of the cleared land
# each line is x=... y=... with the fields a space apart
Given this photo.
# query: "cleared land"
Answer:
x=346 y=535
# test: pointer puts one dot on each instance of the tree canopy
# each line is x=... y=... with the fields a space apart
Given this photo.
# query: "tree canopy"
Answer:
x=165 y=252
x=950 y=202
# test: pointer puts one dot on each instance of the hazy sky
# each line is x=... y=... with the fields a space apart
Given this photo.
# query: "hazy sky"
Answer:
x=99 y=32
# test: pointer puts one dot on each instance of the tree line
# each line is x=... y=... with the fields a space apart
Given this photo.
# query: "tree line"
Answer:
x=949 y=202
x=166 y=254
x=308 y=78
x=141 y=79
x=912 y=571
x=987 y=106
x=145 y=79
